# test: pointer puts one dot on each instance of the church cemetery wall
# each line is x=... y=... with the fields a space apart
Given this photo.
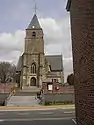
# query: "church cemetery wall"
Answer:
x=63 y=95
x=58 y=98
x=62 y=89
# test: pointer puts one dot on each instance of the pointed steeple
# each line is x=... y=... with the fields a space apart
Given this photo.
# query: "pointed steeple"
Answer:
x=34 y=24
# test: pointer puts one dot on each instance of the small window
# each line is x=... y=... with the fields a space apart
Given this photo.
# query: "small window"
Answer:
x=34 y=34
x=54 y=80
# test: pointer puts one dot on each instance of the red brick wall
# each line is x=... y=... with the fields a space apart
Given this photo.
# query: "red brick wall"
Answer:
x=65 y=89
x=82 y=26
x=5 y=88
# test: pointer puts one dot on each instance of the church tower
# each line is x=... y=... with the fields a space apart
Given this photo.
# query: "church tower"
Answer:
x=33 y=56
x=34 y=43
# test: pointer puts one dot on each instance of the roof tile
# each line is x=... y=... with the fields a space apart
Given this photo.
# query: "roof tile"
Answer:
x=34 y=24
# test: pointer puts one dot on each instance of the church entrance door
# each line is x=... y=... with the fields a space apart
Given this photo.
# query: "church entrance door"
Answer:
x=33 y=81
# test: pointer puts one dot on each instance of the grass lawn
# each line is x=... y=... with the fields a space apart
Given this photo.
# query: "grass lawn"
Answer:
x=59 y=103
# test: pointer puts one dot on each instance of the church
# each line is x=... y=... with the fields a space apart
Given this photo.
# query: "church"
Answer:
x=33 y=65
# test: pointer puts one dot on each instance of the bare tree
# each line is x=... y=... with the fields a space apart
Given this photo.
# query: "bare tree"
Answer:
x=7 y=72
x=13 y=72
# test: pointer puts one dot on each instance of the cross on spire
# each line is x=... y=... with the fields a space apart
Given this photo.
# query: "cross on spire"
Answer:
x=34 y=22
x=35 y=8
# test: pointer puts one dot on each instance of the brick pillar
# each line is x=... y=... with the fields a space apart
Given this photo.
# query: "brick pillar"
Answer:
x=82 y=28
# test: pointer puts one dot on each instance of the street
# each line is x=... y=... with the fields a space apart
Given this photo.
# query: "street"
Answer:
x=41 y=117
x=40 y=122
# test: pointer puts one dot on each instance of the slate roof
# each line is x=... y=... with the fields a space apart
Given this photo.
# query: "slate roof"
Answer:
x=55 y=61
x=34 y=24
x=68 y=5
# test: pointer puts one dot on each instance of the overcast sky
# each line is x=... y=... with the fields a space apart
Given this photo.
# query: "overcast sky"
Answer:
x=15 y=15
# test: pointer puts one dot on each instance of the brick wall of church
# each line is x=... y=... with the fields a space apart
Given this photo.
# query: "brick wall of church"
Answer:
x=82 y=26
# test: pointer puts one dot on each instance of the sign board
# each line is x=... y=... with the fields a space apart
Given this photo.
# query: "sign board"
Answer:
x=50 y=87
x=24 y=77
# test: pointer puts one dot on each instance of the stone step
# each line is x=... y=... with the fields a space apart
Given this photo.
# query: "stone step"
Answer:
x=25 y=94
x=23 y=101
x=27 y=91
x=30 y=89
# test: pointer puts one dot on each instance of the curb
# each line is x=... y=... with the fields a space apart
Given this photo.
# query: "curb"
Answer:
x=12 y=108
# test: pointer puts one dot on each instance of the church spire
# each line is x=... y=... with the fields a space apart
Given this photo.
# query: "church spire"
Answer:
x=34 y=24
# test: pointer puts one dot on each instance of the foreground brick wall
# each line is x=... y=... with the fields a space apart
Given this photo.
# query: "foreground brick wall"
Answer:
x=82 y=26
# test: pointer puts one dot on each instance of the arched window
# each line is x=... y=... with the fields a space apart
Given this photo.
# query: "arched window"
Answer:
x=34 y=34
x=33 y=68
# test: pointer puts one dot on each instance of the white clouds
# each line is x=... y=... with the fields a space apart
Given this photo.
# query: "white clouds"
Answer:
x=10 y=41
x=57 y=33
x=53 y=31
x=11 y=45
x=68 y=66
x=56 y=37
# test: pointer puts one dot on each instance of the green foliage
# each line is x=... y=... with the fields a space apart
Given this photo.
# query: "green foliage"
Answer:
x=58 y=103
x=62 y=84
x=70 y=79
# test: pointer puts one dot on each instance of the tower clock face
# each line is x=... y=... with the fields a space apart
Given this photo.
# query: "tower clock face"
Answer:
x=33 y=26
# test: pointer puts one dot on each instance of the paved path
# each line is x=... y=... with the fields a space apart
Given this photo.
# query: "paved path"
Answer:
x=23 y=101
